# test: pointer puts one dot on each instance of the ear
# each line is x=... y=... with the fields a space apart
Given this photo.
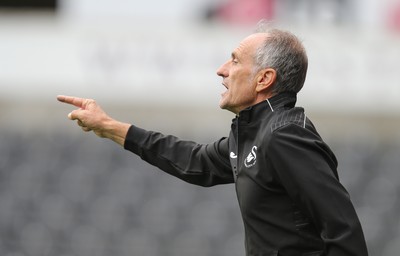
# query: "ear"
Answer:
x=265 y=79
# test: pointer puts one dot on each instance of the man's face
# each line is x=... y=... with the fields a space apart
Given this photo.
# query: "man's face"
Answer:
x=238 y=75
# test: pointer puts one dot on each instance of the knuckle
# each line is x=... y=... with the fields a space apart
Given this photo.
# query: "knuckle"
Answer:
x=91 y=101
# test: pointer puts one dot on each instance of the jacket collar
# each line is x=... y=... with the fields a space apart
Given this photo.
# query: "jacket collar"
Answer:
x=279 y=101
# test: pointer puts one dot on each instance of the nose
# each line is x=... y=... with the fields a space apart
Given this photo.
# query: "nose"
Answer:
x=223 y=70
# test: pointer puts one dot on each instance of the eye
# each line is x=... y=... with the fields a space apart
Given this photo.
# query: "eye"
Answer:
x=234 y=58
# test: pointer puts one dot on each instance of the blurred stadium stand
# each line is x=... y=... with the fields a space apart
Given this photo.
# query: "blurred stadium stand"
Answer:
x=66 y=193
x=63 y=194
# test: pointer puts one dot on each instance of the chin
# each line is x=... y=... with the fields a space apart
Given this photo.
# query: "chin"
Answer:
x=221 y=104
x=227 y=108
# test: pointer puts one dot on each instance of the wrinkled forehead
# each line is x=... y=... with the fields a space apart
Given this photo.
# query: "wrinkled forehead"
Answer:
x=250 y=44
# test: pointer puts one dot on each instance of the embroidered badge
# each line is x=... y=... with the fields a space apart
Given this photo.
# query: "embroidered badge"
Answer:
x=251 y=158
x=233 y=155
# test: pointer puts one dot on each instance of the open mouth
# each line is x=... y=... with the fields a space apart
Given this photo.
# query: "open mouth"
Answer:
x=225 y=91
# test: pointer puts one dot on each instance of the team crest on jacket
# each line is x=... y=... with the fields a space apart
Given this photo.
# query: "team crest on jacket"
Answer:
x=251 y=158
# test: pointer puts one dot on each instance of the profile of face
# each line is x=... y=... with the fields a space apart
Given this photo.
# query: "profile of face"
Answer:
x=241 y=82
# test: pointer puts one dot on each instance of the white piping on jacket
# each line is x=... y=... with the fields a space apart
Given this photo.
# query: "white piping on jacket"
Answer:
x=270 y=105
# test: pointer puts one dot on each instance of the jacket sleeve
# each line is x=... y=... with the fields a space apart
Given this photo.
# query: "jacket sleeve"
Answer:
x=307 y=169
x=203 y=165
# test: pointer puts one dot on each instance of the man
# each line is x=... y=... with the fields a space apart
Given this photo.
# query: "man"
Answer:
x=286 y=180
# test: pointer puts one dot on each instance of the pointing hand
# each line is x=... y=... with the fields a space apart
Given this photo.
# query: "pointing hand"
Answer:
x=89 y=115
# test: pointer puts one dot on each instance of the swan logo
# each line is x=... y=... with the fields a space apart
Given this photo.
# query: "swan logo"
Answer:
x=251 y=158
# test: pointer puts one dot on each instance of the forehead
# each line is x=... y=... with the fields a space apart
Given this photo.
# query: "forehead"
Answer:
x=249 y=45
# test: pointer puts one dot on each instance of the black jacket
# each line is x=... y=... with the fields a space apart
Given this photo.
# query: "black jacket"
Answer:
x=287 y=185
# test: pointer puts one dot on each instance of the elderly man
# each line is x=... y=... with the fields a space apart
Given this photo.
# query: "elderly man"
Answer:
x=291 y=200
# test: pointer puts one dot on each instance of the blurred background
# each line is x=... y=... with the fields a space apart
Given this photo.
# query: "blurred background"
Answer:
x=153 y=63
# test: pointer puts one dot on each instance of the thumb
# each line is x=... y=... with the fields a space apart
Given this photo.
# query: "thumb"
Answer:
x=75 y=114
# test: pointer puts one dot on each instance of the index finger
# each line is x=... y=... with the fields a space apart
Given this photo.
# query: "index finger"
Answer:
x=77 y=102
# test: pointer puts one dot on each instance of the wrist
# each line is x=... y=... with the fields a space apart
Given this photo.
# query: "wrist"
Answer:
x=115 y=131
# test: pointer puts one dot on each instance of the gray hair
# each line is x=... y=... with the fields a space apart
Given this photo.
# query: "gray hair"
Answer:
x=285 y=53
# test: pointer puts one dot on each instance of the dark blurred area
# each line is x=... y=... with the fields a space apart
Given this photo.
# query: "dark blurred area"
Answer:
x=31 y=4
x=152 y=63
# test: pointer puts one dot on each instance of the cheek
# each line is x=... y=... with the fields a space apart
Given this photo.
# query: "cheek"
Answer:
x=244 y=84
x=241 y=83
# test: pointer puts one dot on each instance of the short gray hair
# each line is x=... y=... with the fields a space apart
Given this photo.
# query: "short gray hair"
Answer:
x=285 y=53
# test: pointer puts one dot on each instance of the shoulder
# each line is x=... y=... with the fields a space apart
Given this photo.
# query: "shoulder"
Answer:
x=294 y=116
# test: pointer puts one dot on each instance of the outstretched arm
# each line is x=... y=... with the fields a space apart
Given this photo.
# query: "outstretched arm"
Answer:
x=204 y=165
x=91 y=117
